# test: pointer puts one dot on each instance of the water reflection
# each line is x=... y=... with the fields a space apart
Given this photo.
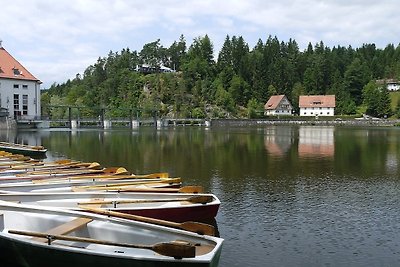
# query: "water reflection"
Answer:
x=312 y=141
x=25 y=137
x=278 y=140
x=315 y=141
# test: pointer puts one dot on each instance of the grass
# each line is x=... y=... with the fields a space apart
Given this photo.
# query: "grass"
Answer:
x=395 y=97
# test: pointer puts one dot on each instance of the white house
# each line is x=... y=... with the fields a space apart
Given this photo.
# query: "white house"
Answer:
x=391 y=84
x=19 y=89
x=278 y=105
x=317 y=105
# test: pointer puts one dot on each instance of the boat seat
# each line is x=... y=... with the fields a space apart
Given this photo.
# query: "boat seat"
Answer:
x=70 y=226
x=65 y=228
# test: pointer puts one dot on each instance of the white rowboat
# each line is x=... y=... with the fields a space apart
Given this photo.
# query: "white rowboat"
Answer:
x=47 y=237
x=175 y=207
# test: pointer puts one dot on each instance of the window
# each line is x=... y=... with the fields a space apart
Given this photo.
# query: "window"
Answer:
x=17 y=112
x=16 y=86
x=24 y=86
x=24 y=104
x=16 y=71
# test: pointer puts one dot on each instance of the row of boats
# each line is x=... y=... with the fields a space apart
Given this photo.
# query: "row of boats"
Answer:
x=72 y=213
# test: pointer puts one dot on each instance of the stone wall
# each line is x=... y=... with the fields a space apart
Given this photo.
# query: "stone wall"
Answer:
x=350 y=122
x=7 y=123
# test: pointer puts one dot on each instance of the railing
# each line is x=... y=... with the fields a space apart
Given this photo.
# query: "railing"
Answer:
x=108 y=122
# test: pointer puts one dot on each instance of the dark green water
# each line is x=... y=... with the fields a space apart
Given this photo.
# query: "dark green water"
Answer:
x=291 y=196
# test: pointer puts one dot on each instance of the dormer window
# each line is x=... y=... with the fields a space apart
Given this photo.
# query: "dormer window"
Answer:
x=16 y=71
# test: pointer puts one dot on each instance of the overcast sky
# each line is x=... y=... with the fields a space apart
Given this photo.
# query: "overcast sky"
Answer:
x=55 y=40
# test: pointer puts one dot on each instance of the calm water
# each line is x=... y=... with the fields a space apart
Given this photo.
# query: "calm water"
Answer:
x=291 y=196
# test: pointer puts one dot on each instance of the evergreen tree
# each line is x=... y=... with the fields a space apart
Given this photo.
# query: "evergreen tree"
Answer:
x=355 y=78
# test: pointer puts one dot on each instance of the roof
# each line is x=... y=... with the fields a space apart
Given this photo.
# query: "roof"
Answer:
x=10 y=68
x=273 y=102
x=387 y=81
x=323 y=101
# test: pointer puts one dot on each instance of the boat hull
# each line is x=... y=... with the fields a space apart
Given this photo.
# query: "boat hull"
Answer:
x=176 y=211
x=95 y=240
x=27 y=255
x=179 y=214
x=27 y=152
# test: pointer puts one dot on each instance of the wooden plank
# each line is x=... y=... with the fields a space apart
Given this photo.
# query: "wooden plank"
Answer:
x=66 y=228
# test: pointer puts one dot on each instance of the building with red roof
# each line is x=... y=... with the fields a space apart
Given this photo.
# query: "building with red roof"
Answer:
x=317 y=105
x=278 y=105
x=19 y=89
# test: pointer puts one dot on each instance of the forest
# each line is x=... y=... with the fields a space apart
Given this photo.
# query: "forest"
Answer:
x=235 y=82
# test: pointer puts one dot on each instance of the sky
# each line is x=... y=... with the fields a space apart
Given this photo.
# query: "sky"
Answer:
x=55 y=40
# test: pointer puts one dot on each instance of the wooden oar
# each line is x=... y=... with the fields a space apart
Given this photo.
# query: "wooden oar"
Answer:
x=194 y=199
x=133 y=183
x=16 y=158
x=196 y=227
x=11 y=163
x=33 y=164
x=151 y=175
x=191 y=189
x=177 y=250
x=53 y=166
x=46 y=175
x=68 y=171
x=119 y=174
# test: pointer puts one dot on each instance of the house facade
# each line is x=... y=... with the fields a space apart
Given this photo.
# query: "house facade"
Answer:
x=278 y=105
x=317 y=105
x=19 y=89
x=391 y=84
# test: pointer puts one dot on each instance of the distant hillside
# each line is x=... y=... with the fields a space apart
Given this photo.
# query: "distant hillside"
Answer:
x=237 y=83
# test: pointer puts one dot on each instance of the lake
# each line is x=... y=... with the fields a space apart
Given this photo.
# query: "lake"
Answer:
x=291 y=195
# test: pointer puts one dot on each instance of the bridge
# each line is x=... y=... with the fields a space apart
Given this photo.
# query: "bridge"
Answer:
x=107 y=123
x=75 y=121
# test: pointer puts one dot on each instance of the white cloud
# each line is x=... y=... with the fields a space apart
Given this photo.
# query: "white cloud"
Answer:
x=58 y=39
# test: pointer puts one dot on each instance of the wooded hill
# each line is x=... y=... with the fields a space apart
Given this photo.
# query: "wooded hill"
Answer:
x=235 y=84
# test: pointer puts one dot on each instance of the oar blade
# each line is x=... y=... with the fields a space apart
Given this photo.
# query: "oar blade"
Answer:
x=176 y=250
x=121 y=171
x=194 y=189
x=94 y=166
x=199 y=228
x=201 y=199
x=62 y=161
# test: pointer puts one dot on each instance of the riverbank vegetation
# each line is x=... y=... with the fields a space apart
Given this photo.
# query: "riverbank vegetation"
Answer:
x=236 y=83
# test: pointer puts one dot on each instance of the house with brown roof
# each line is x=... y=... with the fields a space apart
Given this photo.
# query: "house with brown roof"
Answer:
x=19 y=89
x=278 y=105
x=317 y=105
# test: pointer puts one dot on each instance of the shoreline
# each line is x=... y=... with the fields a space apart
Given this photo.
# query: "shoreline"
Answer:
x=310 y=122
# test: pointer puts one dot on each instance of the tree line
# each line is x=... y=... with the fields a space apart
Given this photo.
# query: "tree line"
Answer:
x=235 y=83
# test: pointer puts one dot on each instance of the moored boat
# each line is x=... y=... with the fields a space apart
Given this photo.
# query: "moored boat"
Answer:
x=175 y=207
x=44 y=237
x=77 y=185
x=23 y=149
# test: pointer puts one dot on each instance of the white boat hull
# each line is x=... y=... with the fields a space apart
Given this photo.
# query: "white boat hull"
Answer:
x=34 y=252
x=178 y=211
